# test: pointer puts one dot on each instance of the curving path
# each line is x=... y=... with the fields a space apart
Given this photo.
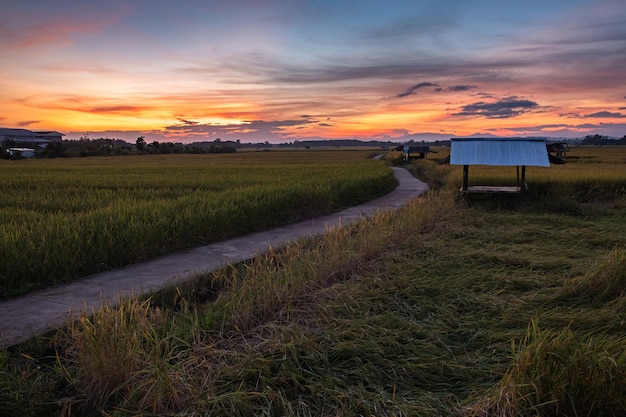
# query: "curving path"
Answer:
x=36 y=313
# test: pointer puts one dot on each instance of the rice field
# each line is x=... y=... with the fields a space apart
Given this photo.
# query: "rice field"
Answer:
x=497 y=305
x=66 y=218
x=589 y=174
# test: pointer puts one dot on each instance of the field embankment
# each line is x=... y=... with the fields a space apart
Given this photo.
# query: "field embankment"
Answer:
x=509 y=305
x=66 y=218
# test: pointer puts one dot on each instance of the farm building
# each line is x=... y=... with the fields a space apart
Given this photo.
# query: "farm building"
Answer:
x=506 y=152
x=414 y=152
x=21 y=152
x=24 y=136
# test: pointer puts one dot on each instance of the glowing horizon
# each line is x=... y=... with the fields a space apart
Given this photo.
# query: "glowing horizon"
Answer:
x=284 y=70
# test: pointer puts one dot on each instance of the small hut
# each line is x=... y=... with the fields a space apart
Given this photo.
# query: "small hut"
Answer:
x=414 y=152
x=516 y=152
x=559 y=149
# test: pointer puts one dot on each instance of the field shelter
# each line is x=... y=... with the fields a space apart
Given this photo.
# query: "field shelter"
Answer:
x=506 y=152
x=414 y=152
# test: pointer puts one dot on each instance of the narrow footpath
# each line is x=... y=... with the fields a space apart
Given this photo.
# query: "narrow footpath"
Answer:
x=36 y=313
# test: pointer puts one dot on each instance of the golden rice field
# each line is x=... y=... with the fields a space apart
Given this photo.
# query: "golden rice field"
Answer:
x=66 y=218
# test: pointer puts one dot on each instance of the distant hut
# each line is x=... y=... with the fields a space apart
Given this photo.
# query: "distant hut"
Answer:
x=414 y=152
x=517 y=152
x=559 y=149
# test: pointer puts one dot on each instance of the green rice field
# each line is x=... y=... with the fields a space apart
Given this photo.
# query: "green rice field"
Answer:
x=66 y=218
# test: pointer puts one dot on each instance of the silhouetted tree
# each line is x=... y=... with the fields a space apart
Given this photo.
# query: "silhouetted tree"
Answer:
x=140 y=143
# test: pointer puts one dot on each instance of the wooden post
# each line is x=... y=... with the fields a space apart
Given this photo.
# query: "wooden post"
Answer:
x=523 y=185
x=465 y=175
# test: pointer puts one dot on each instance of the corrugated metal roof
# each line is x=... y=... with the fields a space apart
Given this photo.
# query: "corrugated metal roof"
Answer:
x=499 y=151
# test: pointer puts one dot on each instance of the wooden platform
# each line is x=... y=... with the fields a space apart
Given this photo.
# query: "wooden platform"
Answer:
x=485 y=189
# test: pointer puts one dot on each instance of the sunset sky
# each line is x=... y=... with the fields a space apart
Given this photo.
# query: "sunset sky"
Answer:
x=284 y=70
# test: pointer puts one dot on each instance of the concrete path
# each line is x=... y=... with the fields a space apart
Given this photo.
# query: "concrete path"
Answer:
x=36 y=313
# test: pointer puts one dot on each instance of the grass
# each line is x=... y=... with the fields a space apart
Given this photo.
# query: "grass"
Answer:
x=561 y=374
x=501 y=305
x=65 y=219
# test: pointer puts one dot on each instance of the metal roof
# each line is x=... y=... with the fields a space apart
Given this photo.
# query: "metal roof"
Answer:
x=499 y=151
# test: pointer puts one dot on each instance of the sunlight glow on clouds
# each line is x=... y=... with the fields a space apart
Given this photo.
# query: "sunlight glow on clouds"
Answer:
x=249 y=70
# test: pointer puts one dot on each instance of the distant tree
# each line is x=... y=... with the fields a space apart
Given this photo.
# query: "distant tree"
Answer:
x=54 y=150
x=597 y=140
x=153 y=147
x=140 y=143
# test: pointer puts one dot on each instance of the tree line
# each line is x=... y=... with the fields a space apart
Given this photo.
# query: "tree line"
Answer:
x=600 y=140
x=111 y=147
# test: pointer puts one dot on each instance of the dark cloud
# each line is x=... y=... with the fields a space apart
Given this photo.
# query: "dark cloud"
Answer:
x=324 y=124
x=606 y=114
x=571 y=115
x=499 y=110
x=188 y=122
x=412 y=89
x=114 y=109
x=253 y=130
x=461 y=87
x=538 y=127
x=27 y=123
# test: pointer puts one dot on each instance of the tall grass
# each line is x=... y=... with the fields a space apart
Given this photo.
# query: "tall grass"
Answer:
x=60 y=220
x=562 y=374
x=133 y=356
x=606 y=282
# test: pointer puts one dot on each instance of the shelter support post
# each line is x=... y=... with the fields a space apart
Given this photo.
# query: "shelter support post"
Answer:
x=465 y=176
x=523 y=185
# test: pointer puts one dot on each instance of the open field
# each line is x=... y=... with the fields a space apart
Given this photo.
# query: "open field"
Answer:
x=501 y=305
x=66 y=218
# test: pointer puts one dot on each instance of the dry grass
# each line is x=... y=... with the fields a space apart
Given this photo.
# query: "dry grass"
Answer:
x=561 y=374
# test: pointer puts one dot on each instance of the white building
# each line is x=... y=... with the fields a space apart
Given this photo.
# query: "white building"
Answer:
x=21 y=152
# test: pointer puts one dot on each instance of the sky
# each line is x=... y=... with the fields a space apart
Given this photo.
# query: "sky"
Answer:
x=287 y=70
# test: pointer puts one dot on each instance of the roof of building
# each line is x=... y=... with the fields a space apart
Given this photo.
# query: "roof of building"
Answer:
x=49 y=133
x=5 y=131
x=25 y=135
x=499 y=152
